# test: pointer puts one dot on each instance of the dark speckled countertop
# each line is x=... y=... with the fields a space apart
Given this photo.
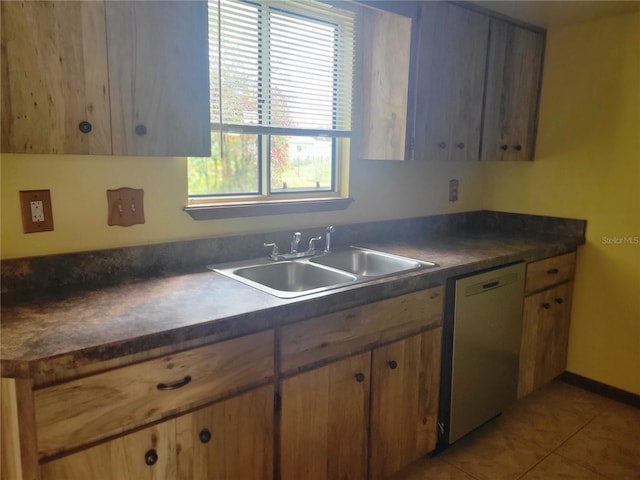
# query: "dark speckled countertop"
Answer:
x=71 y=328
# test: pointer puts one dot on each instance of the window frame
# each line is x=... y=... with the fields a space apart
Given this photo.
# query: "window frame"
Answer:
x=333 y=198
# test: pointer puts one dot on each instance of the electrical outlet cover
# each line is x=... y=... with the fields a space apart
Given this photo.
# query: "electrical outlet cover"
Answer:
x=37 y=213
x=126 y=206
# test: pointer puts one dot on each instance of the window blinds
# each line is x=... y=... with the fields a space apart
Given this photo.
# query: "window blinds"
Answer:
x=281 y=67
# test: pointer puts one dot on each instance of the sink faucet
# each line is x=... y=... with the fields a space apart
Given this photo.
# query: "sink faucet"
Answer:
x=275 y=255
x=295 y=241
x=312 y=245
x=327 y=244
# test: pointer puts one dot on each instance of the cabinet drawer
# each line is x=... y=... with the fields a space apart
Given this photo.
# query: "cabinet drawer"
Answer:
x=349 y=331
x=94 y=407
x=550 y=271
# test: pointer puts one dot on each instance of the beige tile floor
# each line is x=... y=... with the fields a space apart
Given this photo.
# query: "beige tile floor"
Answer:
x=559 y=432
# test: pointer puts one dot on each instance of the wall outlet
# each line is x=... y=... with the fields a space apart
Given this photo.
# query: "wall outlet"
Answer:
x=126 y=206
x=37 y=211
x=37 y=214
x=453 y=190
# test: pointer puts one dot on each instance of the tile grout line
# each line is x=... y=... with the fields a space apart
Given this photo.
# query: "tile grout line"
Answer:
x=460 y=469
x=585 y=466
x=534 y=466
x=466 y=473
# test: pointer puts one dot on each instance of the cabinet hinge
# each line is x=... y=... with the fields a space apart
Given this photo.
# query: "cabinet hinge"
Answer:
x=277 y=402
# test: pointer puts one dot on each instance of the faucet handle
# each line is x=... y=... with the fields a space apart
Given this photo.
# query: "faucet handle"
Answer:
x=294 y=242
x=274 y=250
x=327 y=244
x=312 y=243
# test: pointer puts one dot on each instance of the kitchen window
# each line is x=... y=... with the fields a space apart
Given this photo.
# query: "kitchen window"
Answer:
x=280 y=99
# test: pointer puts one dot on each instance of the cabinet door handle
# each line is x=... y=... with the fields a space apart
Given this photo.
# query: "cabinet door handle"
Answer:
x=559 y=301
x=204 y=435
x=518 y=147
x=552 y=271
x=460 y=145
x=85 y=127
x=360 y=377
x=546 y=306
x=393 y=364
x=504 y=147
x=151 y=457
x=173 y=386
x=442 y=145
x=141 y=130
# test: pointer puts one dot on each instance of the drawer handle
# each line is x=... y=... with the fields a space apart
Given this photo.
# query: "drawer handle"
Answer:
x=393 y=364
x=442 y=145
x=204 y=435
x=552 y=271
x=360 y=377
x=559 y=301
x=546 y=306
x=173 y=386
x=151 y=457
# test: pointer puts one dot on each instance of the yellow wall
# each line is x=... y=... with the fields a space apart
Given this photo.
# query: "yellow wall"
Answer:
x=588 y=166
x=78 y=184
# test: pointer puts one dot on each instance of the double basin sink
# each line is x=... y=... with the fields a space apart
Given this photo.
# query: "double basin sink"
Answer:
x=318 y=273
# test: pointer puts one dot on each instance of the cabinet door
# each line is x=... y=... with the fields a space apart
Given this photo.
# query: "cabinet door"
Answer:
x=147 y=454
x=452 y=56
x=54 y=78
x=512 y=91
x=545 y=337
x=382 y=85
x=404 y=402
x=324 y=420
x=159 y=78
x=229 y=440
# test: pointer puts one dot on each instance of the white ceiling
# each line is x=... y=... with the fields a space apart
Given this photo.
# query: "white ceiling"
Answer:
x=551 y=13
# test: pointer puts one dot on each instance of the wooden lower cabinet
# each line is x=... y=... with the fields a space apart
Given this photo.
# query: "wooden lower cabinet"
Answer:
x=232 y=439
x=323 y=430
x=545 y=337
x=228 y=440
x=404 y=402
x=147 y=454
x=330 y=431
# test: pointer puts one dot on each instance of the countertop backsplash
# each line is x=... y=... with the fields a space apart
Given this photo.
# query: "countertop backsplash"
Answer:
x=102 y=268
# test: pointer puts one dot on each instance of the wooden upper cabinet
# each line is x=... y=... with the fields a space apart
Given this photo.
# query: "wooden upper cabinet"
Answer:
x=514 y=66
x=54 y=78
x=382 y=85
x=450 y=82
x=102 y=78
x=159 y=77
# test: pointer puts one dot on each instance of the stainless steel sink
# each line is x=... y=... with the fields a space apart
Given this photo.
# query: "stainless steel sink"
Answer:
x=290 y=278
x=304 y=276
x=368 y=263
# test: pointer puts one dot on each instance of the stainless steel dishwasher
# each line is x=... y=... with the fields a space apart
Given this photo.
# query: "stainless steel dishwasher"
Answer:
x=481 y=349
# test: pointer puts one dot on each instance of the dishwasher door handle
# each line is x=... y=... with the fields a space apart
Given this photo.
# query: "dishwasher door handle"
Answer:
x=491 y=284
